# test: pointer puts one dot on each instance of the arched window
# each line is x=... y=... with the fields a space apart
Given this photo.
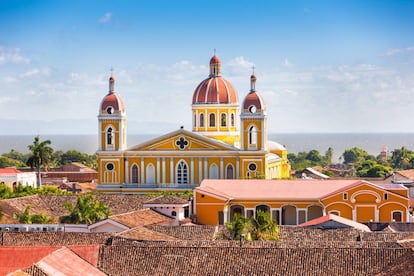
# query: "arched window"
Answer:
x=109 y=136
x=201 y=120
x=252 y=137
x=223 y=120
x=195 y=120
x=150 y=174
x=182 y=172
x=232 y=119
x=212 y=122
x=229 y=171
x=134 y=174
x=213 y=171
x=397 y=216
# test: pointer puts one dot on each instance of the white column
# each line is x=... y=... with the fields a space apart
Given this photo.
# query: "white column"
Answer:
x=192 y=170
x=100 y=134
x=221 y=176
x=163 y=170
x=172 y=170
x=205 y=168
x=354 y=214
x=237 y=168
x=376 y=215
x=200 y=170
x=225 y=214
x=126 y=170
x=142 y=171
x=158 y=171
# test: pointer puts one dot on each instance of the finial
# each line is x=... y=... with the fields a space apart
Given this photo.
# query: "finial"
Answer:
x=253 y=67
x=214 y=51
x=112 y=71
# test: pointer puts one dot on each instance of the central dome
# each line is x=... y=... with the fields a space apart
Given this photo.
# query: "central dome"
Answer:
x=215 y=89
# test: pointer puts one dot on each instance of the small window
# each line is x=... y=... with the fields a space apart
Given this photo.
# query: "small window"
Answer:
x=223 y=120
x=337 y=213
x=202 y=196
x=109 y=167
x=173 y=213
x=201 y=120
x=252 y=167
x=232 y=119
x=345 y=196
x=386 y=196
x=195 y=120
x=212 y=122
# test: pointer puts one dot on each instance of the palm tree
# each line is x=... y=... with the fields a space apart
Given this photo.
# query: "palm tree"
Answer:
x=87 y=210
x=41 y=156
x=264 y=227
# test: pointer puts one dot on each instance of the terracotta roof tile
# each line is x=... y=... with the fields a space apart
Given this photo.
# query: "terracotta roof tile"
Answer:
x=141 y=217
x=65 y=262
x=167 y=199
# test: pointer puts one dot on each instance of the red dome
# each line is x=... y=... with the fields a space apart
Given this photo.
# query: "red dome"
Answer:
x=253 y=99
x=214 y=60
x=114 y=101
x=215 y=90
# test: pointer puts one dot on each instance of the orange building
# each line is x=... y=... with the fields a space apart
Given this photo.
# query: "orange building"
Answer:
x=292 y=202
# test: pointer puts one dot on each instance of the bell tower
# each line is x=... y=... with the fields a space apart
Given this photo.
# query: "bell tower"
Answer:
x=253 y=120
x=112 y=121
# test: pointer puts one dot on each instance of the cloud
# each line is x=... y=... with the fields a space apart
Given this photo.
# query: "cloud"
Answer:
x=287 y=63
x=12 y=55
x=36 y=72
x=106 y=18
x=393 y=52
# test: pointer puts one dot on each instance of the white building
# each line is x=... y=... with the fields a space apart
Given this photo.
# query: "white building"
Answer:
x=13 y=177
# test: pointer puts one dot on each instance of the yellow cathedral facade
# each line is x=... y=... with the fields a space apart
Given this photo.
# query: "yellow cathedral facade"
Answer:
x=227 y=141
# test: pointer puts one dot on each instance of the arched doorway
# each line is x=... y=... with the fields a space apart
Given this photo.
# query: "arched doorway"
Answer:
x=289 y=215
x=150 y=174
x=213 y=171
x=314 y=212
x=263 y=208
x=236 y=209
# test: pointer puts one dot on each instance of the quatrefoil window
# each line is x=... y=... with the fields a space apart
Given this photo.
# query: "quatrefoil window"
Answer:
x=181 y=143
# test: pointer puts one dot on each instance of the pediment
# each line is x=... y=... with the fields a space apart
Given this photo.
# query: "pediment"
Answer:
x=182 y=140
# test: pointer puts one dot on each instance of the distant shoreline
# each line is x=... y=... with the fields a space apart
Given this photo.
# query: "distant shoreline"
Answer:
x=294 y=142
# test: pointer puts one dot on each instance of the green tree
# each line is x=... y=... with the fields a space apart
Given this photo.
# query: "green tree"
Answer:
x=15 y=155
x=401 y=158
x=261 y=227
x=27 y=218
x=41 y=156
x=329 y=155
x=87 y=210
x=370 y=168
x=354 y=155
x=264 y=228
x=5 y=191
x=237 y=226
x=314 y=156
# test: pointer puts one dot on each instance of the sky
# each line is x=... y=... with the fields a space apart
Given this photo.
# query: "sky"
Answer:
x=321 y=66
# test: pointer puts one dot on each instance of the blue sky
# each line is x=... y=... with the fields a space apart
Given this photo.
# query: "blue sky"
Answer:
x=322 y=66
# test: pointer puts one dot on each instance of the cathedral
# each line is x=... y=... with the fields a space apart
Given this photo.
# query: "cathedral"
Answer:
x=227 y=141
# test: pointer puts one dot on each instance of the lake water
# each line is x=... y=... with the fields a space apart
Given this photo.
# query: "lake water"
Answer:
x=294 y=142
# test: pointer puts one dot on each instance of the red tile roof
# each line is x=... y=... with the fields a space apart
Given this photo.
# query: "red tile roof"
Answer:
x=274 y=189
x=9 y=171
x=65 y=262
x=13 y=258
x=330 y=217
